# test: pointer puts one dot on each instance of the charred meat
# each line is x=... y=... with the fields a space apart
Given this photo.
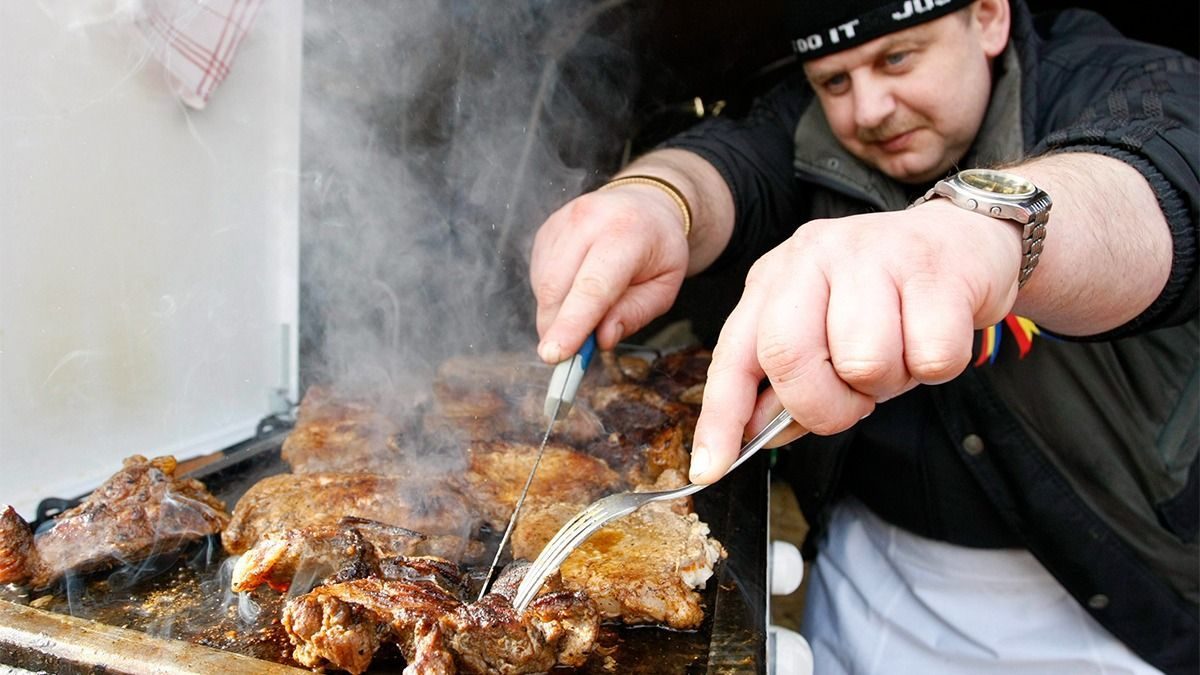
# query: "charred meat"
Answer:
x=18 y=555
x=680 y=376
x=298 y=501
x=141 y=509
x=343 y=624
x=353 y=548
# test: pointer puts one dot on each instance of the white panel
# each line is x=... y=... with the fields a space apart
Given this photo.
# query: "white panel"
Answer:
x=148 y=252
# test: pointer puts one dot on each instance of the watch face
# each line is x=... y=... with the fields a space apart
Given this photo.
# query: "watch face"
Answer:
x=997 y=183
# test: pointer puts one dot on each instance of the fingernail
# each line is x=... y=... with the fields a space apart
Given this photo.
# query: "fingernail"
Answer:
x=699 y=463
x=551 y=352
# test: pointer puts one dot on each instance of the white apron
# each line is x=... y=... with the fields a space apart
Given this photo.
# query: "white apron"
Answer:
x=882 y=600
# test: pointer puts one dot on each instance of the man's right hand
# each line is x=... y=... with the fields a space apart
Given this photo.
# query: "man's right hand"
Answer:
x=610 y=260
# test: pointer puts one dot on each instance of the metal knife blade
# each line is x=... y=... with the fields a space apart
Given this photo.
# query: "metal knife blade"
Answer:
x=560 y=396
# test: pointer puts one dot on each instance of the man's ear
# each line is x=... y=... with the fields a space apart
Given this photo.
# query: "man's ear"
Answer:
x=992 y=18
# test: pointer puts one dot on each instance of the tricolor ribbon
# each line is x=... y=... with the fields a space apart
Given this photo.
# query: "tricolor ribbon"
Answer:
x=1022 y=330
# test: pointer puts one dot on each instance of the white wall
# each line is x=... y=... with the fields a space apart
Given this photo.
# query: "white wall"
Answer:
x=148 y=252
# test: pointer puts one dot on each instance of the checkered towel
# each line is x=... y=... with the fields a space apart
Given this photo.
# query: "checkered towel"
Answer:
x=196 y=40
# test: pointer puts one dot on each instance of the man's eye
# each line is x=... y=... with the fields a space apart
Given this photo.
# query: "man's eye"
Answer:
x=896 y=58
x=836 y=83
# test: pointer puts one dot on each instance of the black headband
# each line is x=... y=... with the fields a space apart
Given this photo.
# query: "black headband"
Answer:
x=822 y=27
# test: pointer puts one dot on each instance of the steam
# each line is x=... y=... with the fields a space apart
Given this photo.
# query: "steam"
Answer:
x=437 y=136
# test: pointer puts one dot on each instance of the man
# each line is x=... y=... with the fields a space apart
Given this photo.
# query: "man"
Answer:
x=1034 y=510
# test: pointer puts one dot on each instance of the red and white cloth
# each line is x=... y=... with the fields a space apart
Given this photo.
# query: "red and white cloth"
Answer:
x=196 y=40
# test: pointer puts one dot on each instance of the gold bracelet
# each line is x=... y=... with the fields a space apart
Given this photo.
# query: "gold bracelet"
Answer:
x=673 y=192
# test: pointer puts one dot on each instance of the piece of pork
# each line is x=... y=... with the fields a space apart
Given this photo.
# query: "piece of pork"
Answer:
x=518 y=414
x=140 y=510
x=354 y=546
x=18 y=555
x=342 y=625
x=497 y=471
x=298 y=501
x=334 y=434
x=642 y=568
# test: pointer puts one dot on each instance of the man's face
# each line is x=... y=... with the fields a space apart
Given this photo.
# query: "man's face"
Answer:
x=910 y=103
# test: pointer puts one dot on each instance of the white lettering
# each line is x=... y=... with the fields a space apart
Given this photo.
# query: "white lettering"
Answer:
x=905 y=13
x=809 y=43
x=847 y=29
x=916 y=7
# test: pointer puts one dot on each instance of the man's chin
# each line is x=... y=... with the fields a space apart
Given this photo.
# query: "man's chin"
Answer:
x=910 y=169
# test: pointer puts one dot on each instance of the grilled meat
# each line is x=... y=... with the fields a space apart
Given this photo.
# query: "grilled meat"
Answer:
x=344 y=436
x=642 y=568
x=343 y=624
x=636 y=410
x=354 y=547
x=641 y=463
x=680 y=376
x=499 y=372
x=621 y=369
x=648 y=432
x=469 y=414
x=497 y=472
x=18 y=555
x=579 y=426
x=466 y=414
x=297 y=501
x=141 y=509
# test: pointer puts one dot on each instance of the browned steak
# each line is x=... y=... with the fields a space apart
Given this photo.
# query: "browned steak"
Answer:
x=18 y=556
x=333 y=434
x=497 y=472
x=643 y=568
x=342 y=625
x=141 y=509
x=297 y=501
x=354 y=547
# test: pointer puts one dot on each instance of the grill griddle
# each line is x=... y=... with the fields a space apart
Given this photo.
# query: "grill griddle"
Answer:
x=166 y=606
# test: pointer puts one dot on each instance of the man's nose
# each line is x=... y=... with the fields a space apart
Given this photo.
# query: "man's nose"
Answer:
x=873 y=102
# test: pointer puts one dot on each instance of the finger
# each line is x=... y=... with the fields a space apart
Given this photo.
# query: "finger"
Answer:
x=794 y=353
x=552 y=267
x=866 y=343
x=766 y=409
x=638 y=306
x=730 y=393
x=603 y=277
x=907 y=387
x=938 y=331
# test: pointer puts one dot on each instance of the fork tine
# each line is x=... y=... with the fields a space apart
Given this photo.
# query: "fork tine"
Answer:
x=598 y=513
x=551 y=559
x=568 y=538
x=552 y=556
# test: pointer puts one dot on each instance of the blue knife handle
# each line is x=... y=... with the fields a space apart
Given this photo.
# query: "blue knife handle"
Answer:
x=588 y=350
x=564 y=382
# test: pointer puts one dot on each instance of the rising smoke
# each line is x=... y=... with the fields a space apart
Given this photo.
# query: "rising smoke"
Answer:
x=437 y=136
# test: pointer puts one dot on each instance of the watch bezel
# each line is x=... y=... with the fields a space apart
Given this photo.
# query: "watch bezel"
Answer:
x=965 y=179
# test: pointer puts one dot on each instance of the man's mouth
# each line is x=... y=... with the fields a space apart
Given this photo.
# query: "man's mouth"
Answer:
x=897 y=142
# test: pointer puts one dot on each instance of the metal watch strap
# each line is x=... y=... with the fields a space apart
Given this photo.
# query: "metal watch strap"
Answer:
x=1033 y=234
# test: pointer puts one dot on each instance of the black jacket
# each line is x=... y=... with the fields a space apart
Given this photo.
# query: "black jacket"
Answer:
x=1085 y=450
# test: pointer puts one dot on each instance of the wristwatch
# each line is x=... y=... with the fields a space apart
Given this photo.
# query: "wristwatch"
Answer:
x=1003 y=195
